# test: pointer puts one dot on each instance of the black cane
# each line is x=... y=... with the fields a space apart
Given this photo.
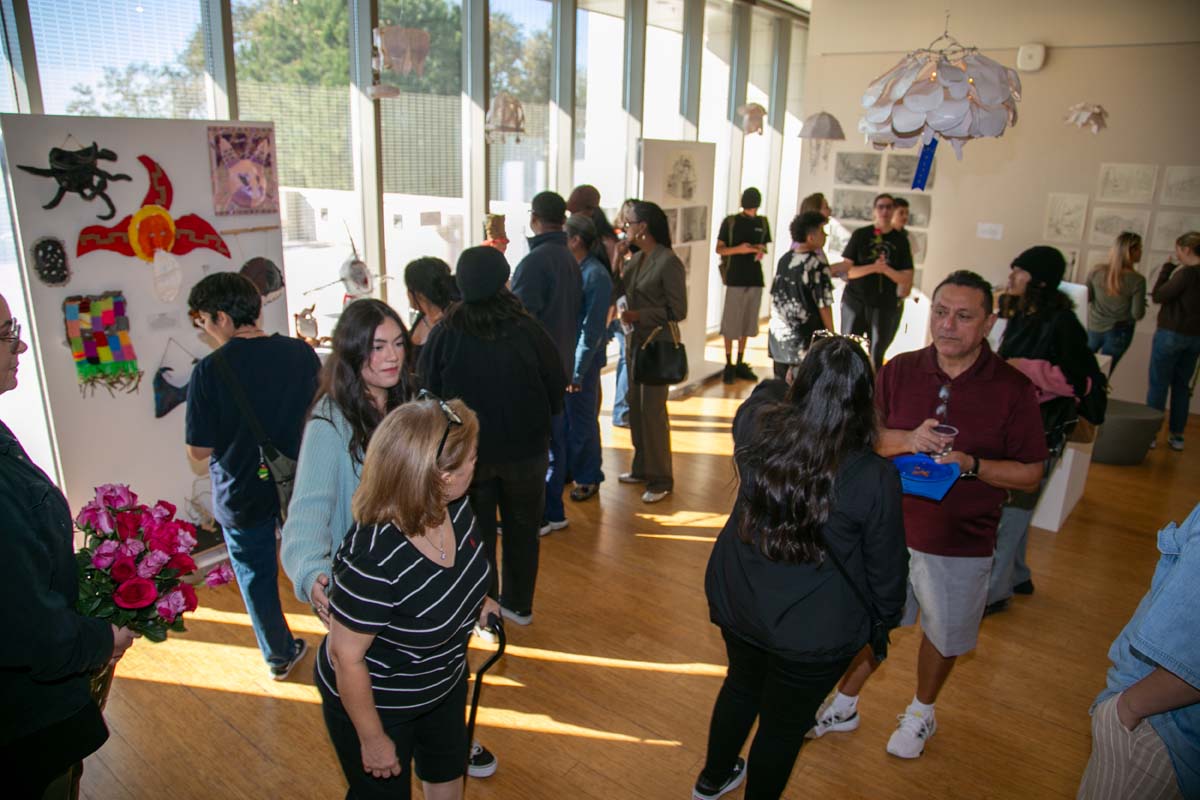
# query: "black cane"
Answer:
x=497 y=625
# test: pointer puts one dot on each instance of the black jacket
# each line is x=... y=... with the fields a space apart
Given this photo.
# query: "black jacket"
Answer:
x=47 y=650
x=514 y=382
x=807 y=612
x=549 y=283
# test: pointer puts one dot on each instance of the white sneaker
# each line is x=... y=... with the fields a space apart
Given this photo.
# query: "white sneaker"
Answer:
x=653 y=497
x=551 y=525
x=831 y=719
x=908 y=740
x=516 y=616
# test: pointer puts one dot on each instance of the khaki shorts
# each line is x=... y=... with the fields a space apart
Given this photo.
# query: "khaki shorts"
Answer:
x=949 y=594
x=740 y=317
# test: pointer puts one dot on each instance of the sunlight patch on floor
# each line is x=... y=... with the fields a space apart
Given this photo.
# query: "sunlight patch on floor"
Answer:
x=681 y=668
x=541 y=723
x=687 y=519
x=678 y=537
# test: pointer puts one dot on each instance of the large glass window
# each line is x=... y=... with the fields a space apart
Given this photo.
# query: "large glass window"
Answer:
x=664 y=70
x=756 y=147
x=791 y=187
x=293 y=67
x=126 y=59
x=600 y=120
x=715 y=127
x=423 y=206
x=520 y=47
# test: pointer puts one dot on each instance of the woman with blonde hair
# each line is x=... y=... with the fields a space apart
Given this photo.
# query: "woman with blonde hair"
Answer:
x=1116 y=299
x=409 y=583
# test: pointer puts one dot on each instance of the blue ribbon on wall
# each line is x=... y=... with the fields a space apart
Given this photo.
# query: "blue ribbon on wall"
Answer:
x=924 y=164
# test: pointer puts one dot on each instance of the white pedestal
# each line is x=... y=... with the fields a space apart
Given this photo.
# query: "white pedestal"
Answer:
x=1067 y=482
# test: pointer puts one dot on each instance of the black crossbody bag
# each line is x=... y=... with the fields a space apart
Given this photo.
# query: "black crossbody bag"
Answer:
x=280 y=469
x=879 y=632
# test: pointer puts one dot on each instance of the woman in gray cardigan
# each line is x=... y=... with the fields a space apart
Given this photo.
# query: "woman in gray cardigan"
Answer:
x=655 y=289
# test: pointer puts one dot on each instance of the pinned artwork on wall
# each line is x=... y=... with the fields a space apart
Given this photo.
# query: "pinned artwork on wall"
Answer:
x=1181 y=186
x=856 y=204
x=167 y=396
x=1126 y=183
x=1109 y=223
x=263 y=273
x=693 y=224
x=98 y=332
x=50 y=261
x=900 y=170
x=682 y=177
x=920 y=209
x=857 y=169
x=1065 y=215
x=242 y=159
x=154 y=236
x=1170 y=225
x=78 y=172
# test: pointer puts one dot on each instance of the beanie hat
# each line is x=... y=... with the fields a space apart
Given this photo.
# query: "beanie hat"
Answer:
x=481 y=273
x=1046 y=265
x=584 y=199
x=549 y=207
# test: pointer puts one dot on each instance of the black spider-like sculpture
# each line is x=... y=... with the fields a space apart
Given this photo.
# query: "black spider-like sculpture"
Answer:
x=78 y=171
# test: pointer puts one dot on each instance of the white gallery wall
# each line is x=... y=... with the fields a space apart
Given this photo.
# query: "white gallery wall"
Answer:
x=94 y=437
x=1138 y=60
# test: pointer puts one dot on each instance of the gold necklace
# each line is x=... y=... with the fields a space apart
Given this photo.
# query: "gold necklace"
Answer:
x=441 y=548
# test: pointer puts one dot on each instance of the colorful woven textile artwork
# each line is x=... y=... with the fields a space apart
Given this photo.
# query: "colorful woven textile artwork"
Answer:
x=98 y=332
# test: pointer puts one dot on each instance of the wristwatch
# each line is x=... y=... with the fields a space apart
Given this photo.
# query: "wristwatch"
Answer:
x=973 y=472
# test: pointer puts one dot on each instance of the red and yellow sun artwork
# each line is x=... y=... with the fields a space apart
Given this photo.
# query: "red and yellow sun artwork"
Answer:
x=152 y=228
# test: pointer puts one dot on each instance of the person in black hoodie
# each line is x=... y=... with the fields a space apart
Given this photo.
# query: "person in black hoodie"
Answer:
x=812 y=494
x=492 y=354
x=49 y=722
x=1047 y=342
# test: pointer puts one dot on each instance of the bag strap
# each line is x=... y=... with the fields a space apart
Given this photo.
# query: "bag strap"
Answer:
x=239 y=397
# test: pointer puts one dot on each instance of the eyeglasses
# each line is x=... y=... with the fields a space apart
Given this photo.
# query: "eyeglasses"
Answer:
x=452 y=417
x=13 y=337
x=943 y=406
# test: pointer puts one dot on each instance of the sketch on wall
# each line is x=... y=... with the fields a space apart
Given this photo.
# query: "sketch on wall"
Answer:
x=693 y=224
x=855 y=205
x=1181 y=187
x=682 y=177
x=857 y=169
x=672 y=222
x=1109 y=223
x=900 y=171
x=1065 y=216
x=1126 y=183
x=685 y=255
x=838 y=238
x=920 y=209
x=919 y=242
x=1170 y=225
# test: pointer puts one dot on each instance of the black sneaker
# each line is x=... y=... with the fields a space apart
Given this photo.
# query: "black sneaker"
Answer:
x=280 y=672
x=996 y=607
x=481 y=764
x=727 y=375
x=703 y=791
x=743 y=371
x=1024 y=587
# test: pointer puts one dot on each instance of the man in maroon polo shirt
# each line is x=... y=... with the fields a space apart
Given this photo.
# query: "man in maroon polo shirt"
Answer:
x=1000 y=445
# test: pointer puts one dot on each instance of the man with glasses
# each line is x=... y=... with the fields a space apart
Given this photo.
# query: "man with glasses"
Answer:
x=956 y=381
x=879 y=280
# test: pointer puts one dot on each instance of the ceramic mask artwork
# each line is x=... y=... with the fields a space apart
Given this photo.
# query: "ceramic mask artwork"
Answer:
x=402 y=50
x=152 y=228
x=50 y=261
x=78 y=172
x=953 y=92
x=752 y=118
x=505 y=115
x=1087 y=115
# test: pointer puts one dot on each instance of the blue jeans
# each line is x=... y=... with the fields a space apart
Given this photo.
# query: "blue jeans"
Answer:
x=1111 y=343
x=621 y=395
x=252 y=552
x=583 y=427
x=1172 y=362
x=556 y=471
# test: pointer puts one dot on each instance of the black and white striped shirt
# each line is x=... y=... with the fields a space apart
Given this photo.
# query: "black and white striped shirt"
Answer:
x=420 y=613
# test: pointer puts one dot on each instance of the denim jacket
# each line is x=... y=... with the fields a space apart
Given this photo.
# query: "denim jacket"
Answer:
x=1165 y=631
x=593 y=311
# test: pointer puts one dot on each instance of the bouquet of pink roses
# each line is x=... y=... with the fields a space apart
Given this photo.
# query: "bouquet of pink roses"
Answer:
x=132 y=563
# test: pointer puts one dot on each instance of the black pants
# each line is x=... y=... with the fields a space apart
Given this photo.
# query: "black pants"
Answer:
x=48 y=763
x=784 y=695
x=879 y=324
x=436 y=739
x=518 y=490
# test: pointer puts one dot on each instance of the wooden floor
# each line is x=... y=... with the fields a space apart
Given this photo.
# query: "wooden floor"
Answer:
x=608 y=693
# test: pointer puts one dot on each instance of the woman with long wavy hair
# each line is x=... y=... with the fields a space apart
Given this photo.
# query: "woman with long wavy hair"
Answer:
x=655 y=289
x=812 y=491
x=496 y=357
x=1116 y=299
